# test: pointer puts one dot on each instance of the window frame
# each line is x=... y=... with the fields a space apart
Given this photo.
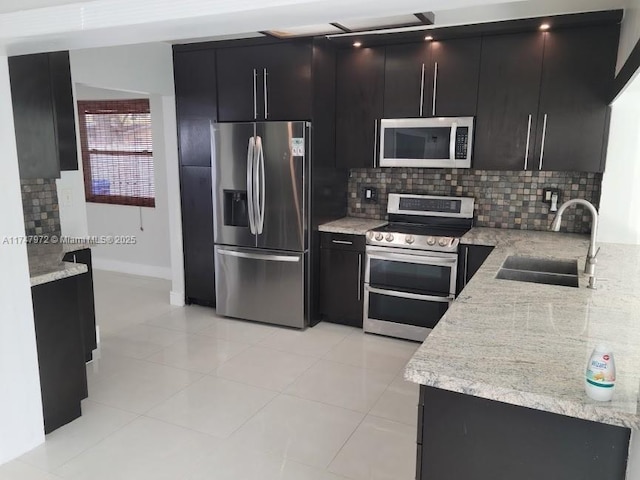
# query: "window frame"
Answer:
x=129 y=106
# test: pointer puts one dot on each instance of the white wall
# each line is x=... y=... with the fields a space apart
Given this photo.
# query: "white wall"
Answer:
x=21 y=424
x=129 y=72
x=630 y=31
x=620 y=203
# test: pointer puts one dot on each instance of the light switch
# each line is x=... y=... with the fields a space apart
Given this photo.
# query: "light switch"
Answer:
x=67 y=197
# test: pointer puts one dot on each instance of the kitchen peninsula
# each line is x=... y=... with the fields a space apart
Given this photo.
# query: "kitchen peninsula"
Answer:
x=501 y=375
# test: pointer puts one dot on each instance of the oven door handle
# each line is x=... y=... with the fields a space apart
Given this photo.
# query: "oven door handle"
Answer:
x=411 y=296
x=424 y=260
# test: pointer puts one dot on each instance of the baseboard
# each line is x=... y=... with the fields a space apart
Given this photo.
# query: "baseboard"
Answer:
x=176 y=298
x=132 y=268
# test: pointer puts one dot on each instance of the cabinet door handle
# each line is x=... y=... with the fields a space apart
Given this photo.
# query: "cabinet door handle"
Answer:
x=255 y=94
x=266 y=94
x=342 y=242
x=544 y=136
x=359 y=276
x=466 y=266
x=526 y=152
x=435 y=88
x=375 y=143
x=422 y=91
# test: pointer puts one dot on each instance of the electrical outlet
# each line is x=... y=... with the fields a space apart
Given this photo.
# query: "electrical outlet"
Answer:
x=370 y=195
x=551 y=196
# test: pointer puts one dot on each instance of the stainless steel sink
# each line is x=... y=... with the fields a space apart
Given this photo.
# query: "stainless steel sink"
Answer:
x=540 y=270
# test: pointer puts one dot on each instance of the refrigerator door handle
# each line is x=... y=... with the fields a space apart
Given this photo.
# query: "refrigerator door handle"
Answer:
x=251 y=151
x=260 y=172
x=260 y=256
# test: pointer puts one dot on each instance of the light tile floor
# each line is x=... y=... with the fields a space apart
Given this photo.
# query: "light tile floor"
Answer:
x=179 y=393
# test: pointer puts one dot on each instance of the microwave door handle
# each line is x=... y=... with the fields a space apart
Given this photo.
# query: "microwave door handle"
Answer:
x=452 y=143
x=375 y=142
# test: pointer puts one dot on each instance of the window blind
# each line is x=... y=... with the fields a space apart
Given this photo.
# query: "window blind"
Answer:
x=117 y=151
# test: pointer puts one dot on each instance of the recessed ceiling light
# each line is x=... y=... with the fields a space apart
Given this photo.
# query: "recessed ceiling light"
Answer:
x=545 y=26
x=428 y=38
x=357 y=44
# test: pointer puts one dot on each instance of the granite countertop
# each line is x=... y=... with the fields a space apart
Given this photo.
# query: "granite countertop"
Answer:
x=351 y=225
x=527 y=344
x=46 y=265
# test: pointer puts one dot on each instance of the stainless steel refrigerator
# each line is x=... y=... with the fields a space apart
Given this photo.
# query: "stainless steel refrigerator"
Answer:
x=261 y=207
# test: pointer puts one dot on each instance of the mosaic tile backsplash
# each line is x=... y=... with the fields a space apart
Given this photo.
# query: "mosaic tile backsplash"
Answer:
x=40 y=205
x=502 y=199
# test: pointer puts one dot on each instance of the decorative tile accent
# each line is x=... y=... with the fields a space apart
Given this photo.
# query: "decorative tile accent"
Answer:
x=503 y=199
x=40 y=205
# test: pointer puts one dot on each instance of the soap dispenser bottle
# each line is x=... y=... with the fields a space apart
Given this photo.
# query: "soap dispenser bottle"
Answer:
x=600 y=376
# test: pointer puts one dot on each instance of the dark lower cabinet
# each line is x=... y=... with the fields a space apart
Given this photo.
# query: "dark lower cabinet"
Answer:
x=61 y=359
x=342 y=278
x=197 y=233
x=359 y=105
x=470 y=259
x=86 y=301
x=462 y=437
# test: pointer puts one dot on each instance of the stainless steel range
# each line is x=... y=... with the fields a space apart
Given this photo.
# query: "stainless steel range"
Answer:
x=412 y=264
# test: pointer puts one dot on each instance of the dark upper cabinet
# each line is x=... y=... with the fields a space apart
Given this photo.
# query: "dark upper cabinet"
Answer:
x=508 y=94
x=44 y=114
x=549 y=112
x=341 y=278
x=64 y=110
x=438 y=78
x=265 y=82
x=33 y=115
x=452 y=88
x=196 y=104
x=195 y=82
x=197 y=231
x=405 y=80
x=359 y=105
x=577 y=77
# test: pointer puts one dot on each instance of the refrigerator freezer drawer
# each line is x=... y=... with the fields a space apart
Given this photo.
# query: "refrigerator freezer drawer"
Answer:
x=261 y=285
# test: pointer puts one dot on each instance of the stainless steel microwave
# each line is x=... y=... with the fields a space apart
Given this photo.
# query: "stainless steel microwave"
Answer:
x=439 y=142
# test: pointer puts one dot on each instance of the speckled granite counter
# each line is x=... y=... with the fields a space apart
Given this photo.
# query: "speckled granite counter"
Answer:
x=527 y=344
x=46 y=265
x=351 y=225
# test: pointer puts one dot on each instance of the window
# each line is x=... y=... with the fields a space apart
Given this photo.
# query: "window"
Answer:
x=117 y=152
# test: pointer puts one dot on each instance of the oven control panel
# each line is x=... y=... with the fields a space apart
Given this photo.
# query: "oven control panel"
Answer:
x=415 y=242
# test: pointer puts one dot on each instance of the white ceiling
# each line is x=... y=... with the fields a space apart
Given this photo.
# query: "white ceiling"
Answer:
x=85 y=24
x=7 y=6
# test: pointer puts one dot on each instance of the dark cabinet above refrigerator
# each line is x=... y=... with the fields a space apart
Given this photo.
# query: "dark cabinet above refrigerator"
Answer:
x=265 y=82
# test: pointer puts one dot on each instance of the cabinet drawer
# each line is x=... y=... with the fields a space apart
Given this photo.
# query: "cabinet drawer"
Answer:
x=342 y=241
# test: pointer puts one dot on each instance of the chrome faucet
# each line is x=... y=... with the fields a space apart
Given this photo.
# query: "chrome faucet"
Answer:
x=590 y=264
